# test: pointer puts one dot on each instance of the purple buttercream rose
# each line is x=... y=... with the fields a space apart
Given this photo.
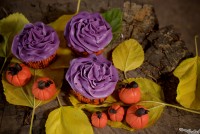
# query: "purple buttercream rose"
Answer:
x=36 y=42
x=88 y=32
x=93 y=77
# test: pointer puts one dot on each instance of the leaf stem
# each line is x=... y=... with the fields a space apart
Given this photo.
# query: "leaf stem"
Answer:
x=78 y=6
x=34 y=76
x=196 y=36
x=182 y=108
x=155 y=107
x=174 y=106
x=38 y=104
x=26 y=97
x=125 y=76
x=3 y=65
x=32 y=117
x=59 y=102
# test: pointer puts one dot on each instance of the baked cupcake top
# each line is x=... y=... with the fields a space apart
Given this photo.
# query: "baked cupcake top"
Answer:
x=35 y=42
x=93 y=77
x=88 y=32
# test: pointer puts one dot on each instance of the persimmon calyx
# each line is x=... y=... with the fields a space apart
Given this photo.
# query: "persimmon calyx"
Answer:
x=14 y=69
x=42 y=84
x=99 y=114
x=141 y=111
x=113 y=111
x=1 y=38
x=133 y=84
x=48 y=83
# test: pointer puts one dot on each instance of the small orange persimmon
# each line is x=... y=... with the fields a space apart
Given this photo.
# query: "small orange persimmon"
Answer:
x=99 y=119
x=116 y=112
x=44 y=88
x=137 y=116
x=130 y=94
x=18 y=74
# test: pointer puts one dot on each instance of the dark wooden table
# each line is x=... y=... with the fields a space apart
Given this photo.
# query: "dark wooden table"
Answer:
x=139 y=22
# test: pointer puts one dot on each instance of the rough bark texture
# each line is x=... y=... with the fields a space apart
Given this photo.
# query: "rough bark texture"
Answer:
x=164 y=50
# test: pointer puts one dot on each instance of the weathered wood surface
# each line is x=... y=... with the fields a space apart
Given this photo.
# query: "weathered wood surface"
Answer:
x=163 y=52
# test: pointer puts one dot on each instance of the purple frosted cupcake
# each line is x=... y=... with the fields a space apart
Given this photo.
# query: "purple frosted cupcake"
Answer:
x=88 y=33
x=92 y=78
x=36 y=45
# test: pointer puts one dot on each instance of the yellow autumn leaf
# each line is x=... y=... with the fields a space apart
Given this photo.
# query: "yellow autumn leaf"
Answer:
x=68 y=120
x=150 y=90
x=90 y=107
x=23 y=95
x=155 y=110
x=152 y=97
x=9 y=27
x=60 y=23
x=64 y=54
x=122 y=125
x=188 y=90
x=128 y=55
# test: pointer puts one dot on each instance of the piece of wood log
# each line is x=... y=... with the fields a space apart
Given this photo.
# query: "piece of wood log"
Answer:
x=164 y=50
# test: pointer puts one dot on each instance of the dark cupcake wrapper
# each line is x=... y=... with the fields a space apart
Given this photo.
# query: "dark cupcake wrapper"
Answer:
x=83 y=99
x=85 y=54
x=41 y=64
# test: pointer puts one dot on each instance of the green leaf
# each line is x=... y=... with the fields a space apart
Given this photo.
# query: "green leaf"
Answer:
x=128 y=55
x=188 y=90
x=68 y=120
x=92 y=108
x=23 y=95
x=114 y=18
x=9 y=27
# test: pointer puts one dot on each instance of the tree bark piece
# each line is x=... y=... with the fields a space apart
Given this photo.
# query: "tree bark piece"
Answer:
x=139 y=21
x=163 y=48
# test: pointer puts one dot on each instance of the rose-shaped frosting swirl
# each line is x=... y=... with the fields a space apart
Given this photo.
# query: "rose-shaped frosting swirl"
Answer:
x=88 y=32
x=36 y=42
x=93 y=77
